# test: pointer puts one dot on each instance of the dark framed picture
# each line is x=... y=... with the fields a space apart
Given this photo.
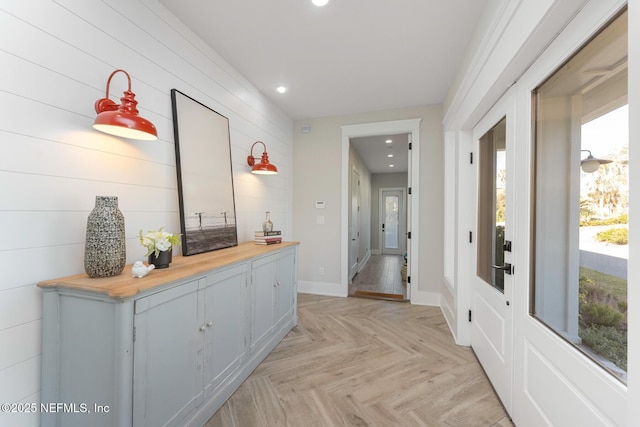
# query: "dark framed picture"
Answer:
x=205 y=177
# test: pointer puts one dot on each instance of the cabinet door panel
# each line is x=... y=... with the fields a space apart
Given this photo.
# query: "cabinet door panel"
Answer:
x=226 y=320
x=167 y=377
x=263 y=285
x=284 y=279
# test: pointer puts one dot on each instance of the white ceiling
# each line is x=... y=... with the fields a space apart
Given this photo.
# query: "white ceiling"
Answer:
x=374 y=152
x=349 y=57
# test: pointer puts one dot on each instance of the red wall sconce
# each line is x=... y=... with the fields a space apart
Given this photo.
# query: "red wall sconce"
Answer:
x=123 y=120
x=263 y=167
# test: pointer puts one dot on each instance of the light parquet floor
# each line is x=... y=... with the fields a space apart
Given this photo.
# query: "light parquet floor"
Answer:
x=361 y=362
x=380 y=274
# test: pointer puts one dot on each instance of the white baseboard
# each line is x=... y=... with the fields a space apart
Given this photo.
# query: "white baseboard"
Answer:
x=376 y=252
x=425 y=298
x=322 y=288
x=449 y=317
x=364 y=261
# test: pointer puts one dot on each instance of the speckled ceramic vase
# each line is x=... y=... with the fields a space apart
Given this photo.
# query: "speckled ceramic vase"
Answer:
x=105 y=252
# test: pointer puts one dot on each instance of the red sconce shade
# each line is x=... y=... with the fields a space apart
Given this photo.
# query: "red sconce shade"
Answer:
x=123 y=120
x=263 y=167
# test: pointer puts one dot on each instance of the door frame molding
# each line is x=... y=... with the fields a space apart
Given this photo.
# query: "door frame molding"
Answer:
x=353 y=258
x=412 y=127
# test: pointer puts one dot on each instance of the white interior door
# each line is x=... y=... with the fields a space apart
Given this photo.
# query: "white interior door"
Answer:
x=354 y=248
x=492 y=275
x=392 y=221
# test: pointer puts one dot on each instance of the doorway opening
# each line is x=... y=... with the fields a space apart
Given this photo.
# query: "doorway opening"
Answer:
x=382 y=260
x=384 y=276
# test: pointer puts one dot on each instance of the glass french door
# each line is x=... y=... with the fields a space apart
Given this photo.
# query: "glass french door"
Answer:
x=393 y=220
x=492 y=274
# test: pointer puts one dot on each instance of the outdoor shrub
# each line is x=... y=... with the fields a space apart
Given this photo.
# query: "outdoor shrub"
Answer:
x=621 y=219
x=622 y=306
x=615 y=286
x=607 y=342
x=592 y=292
x=619 y=236
x=601 y=315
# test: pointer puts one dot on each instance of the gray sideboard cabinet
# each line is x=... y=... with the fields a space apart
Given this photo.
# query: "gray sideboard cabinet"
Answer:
x=272 y=281
x=170 y=348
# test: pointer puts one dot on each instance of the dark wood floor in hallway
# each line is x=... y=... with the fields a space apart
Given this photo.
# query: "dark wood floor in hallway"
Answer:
x=363 y=362
x=381 y=274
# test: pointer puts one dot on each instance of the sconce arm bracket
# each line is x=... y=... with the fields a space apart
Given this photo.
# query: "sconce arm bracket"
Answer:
x=252 y=160
x=106 y=104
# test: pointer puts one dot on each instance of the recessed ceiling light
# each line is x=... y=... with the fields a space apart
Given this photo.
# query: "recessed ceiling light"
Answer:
x=320 y=2
x=391 y=166
x=281 y=89
x=389 y=155
x=388 y=141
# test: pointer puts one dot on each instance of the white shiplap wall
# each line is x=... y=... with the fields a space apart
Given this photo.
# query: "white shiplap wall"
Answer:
x=55 y=58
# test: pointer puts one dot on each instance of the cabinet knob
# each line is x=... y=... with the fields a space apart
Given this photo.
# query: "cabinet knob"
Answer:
x=209 y=324
x=203 y=328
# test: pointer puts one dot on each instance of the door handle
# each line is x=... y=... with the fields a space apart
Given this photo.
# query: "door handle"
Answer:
x=507 y=268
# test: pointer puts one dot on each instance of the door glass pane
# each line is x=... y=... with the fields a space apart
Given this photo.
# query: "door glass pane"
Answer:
x=391 y=215
x=492 y=205
x=581 y=199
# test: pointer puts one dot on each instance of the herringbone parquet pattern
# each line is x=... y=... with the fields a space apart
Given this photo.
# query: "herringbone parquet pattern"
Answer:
x=360 y=362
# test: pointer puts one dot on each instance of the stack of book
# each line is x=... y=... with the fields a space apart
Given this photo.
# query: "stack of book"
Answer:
x=267 y=237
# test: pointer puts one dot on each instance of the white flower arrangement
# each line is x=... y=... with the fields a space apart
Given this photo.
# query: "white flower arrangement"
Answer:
x=158 y=241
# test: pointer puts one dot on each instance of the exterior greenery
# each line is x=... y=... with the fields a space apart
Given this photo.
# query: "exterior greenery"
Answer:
x=620 y=219
x=618 y=236
x=603 y=315
x=603 y=298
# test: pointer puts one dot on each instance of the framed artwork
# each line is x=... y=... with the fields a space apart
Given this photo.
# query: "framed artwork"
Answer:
x=205 y=178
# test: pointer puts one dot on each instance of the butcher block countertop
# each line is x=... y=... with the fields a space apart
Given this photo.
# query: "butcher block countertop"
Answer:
x=124 y=285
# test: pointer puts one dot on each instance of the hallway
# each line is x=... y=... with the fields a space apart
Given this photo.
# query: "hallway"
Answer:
x=380 y=275
x=358 y=362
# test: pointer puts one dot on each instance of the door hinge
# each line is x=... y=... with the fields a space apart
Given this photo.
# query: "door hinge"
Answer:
x=410 y=146
x=134 y=334
x=469 y=315
x=471 y=237
x=408 y=235
x=409 y=190
x=408 y=279
x=471 y=158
